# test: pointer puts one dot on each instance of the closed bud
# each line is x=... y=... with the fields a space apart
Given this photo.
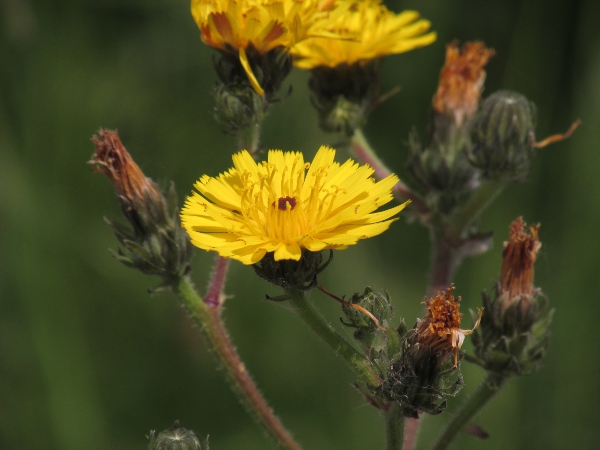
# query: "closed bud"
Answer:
x=175 y=438
x=503 y=139
x=238 y=107
x=370 y=314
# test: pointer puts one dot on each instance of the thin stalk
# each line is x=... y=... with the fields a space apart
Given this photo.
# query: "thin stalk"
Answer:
x=394 y=427
x=356 y=360
x=211 y=325
x=484 y=393
x=365 y=153
x=443 y=263
x=480 y=200
x=247 y=139
x=411 y=430
x=216 y=285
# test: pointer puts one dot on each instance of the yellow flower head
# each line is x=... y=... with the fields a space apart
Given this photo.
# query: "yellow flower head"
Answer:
x=234 y=25
x=284 y=205
x=371 y=31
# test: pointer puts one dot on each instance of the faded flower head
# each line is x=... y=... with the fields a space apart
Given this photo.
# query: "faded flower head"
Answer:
x=518 y=259
x=440 y=328
x=515 y=328
x=419 y=377
x=367 y=31
x=155 y=244
x=284 y=205
x=175 y=438
x=116 y=163
x=235 y=26
x=461 y=81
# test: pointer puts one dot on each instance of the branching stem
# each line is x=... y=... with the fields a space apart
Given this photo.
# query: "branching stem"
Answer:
x=356 y=360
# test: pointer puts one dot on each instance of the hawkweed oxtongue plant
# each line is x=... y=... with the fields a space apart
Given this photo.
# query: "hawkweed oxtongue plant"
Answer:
x=286 y=217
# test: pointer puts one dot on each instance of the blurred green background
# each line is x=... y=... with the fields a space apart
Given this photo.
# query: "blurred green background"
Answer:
x=88 y=360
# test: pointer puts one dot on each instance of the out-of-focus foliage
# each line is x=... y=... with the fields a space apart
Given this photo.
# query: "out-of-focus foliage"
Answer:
x=88 y=360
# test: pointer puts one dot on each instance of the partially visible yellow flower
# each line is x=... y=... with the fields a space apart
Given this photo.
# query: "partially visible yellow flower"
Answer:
x=234 y=25
x=284 y=205
x=372 y=32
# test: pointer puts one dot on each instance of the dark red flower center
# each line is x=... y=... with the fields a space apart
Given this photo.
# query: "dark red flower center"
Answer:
x=283 y=201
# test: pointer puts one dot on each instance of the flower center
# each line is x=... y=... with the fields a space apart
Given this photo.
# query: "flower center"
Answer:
x=283 y=201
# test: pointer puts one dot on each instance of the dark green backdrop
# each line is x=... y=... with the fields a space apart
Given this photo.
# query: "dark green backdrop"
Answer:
x=88 y=360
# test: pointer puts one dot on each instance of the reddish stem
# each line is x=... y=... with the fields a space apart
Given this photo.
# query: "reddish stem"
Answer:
x=217 y=282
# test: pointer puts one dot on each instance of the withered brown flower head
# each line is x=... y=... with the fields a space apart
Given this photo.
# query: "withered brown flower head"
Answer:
x=461 y=80
x=518 y=258
x=116 y=163
x=440 y=328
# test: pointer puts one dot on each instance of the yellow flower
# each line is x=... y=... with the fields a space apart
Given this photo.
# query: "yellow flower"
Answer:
x=234 y=25
x=284 y=205
x=372 y=32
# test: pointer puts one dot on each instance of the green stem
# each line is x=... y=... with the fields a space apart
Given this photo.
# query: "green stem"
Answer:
x=248 y=139
x=480 y=200
x=484 y=393
x=210 y=323
x=365 y=153
x=394 y=427
x=443 y=263
x=356 y=360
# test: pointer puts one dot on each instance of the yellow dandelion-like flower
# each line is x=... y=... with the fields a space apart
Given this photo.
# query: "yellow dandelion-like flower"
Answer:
x=372 y=32
x=284 y=205
x=234 y=25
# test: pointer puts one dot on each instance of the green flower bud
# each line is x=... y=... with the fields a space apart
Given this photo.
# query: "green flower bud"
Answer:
x=503 y=140
x=175 y=438
x=238 y=107
x=370 y=315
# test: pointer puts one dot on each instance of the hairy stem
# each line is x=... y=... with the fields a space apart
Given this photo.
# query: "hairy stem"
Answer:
x=216 y=285
x=356 y=360
x=394 y=426
x=210 y=323
x=484 y=393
